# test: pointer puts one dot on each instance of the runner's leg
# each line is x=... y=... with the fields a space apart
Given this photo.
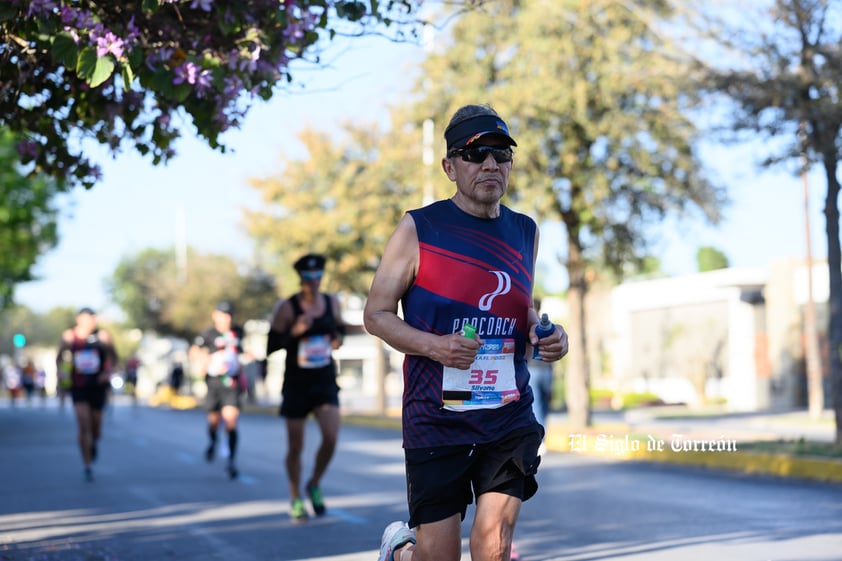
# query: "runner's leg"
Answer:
x=329 y=421
x=295 y=445
x=494 y=526
x=84 y=424
x=437 y=541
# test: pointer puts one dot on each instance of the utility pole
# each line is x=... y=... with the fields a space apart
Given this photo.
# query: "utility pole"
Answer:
x=815 y=389
x=427 y=158
x=428 y=127
x=181 y=245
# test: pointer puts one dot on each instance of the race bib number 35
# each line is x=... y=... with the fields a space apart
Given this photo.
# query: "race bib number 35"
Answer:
x=489 y=382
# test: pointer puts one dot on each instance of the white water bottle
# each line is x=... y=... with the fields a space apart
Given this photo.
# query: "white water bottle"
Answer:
x=544 y=328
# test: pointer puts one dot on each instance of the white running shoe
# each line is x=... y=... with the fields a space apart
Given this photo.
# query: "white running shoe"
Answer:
x=396 y=535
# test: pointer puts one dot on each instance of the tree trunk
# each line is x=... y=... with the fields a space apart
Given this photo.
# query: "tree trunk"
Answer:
x=834 y=264
x=577 y=384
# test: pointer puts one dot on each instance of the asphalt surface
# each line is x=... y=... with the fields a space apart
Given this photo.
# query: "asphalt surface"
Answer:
x=156 y=498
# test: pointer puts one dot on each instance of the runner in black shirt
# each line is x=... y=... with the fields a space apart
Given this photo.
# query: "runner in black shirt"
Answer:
x=86 y=353
x=309 y=326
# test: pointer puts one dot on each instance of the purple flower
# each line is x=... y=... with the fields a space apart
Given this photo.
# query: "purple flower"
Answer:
x=95 y=172
x=27 y=150
x=186 y=72
x=249 y=63
x=163 y=120
x=203 y=4
x=133 y=30
x=233 y=85
x=192 y=74
x=109 y=43
x=74 y=17
x=154 y=59
x=294 y=32
x=73 y=33
x=68 y=15
x=203 y=83
x=39 y=8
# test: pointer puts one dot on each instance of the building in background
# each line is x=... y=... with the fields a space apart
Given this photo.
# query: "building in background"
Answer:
x=731 y=336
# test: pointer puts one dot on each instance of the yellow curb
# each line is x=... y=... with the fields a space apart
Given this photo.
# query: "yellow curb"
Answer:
x=183 y=402
x=819 y=469
x=165 y=396
x=379 y=421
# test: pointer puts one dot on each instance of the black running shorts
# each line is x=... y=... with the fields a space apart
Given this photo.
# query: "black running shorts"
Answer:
x=442 y=480
x=298 y=401
x=95 y=396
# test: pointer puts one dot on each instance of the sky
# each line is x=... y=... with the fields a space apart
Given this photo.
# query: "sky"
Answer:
x=199 y=195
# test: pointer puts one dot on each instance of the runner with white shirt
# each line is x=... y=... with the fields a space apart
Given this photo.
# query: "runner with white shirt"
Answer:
x=217 y=352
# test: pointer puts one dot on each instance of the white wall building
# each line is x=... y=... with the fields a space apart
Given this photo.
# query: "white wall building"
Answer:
x=731 y=335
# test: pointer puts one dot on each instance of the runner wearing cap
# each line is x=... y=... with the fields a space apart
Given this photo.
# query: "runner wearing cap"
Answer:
x=86 y=355
x=217 y=354
x=469 y=434
x=309 y=326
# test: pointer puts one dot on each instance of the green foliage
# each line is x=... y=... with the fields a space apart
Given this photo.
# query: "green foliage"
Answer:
x=121 y=73
x=800 y=447
x=41 y=330
x=650 y=266
x=640 y=399
x=602 y=398
x=609 y=148
x=125 y=74
x=343 y=201
x=27 y=219
x=157 y=294
x=710 y=259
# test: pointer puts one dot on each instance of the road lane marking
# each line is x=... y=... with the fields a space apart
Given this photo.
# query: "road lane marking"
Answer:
x=346 y=516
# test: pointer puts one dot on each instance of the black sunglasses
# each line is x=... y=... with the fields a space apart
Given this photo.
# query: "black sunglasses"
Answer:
x=478 y=154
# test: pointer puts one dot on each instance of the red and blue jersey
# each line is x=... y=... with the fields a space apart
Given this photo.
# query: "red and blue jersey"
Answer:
x=471 y=270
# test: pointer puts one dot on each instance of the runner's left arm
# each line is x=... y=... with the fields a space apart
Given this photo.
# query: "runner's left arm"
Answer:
x=339 y=335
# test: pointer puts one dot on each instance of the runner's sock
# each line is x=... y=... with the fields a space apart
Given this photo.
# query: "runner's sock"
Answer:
x=211 y=450
x=232 y=443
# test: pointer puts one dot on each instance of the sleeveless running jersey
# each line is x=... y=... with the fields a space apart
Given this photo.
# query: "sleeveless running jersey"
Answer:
x=309 y=358
x=89 y=358
x=477 y=271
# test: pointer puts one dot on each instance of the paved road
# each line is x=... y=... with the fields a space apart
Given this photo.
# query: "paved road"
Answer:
x=156 y=499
